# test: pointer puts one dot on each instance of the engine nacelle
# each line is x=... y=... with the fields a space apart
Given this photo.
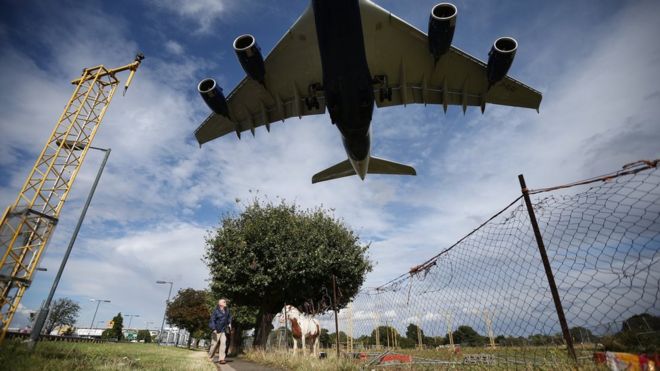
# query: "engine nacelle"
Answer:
x=249 y=54
x=212 y=95
x=500 y=58
x=442 y=22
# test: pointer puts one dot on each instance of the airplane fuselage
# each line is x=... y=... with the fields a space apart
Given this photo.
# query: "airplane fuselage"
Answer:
x=347 y=82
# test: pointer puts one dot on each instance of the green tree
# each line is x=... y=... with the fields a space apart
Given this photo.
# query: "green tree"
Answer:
x=117 y=327
x=63 y=312
x=324 y=338
x=107 y=334
x=343 y=338
x=411 y=332
x=271 y=255
x=639 y=333
x=386 y=336
x=144 y=335
x=189 y=310
x=465 y=335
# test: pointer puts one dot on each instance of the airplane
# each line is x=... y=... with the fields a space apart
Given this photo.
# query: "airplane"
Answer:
x=346 y=56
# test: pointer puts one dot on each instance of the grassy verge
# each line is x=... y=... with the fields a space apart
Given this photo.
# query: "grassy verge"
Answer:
x=287 y=361
x=505 y=359
x=14 y=355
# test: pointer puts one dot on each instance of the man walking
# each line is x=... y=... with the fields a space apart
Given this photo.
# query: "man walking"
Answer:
x=220 y=323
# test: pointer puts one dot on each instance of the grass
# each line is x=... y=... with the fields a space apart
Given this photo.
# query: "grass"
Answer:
x=287 y=361
x=15 y=356
x=518 y=358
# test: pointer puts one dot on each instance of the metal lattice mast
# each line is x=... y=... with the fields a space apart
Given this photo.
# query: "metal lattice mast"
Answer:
x=28 y=224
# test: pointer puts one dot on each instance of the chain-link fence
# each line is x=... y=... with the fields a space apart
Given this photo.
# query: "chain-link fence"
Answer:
x=488 y=299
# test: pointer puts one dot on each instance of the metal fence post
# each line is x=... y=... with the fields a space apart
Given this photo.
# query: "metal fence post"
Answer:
x=548 y=270
x=334 y=304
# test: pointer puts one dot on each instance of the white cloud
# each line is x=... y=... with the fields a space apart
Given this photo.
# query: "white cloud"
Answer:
x=202 y=12
x=174 y=47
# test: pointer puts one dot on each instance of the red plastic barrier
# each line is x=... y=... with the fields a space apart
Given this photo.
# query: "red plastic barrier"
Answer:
x=402 y=358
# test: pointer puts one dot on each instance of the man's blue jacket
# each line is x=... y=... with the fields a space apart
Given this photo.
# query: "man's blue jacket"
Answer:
x=220 y=319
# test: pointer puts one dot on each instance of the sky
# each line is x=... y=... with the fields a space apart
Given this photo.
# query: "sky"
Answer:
x=595 y=62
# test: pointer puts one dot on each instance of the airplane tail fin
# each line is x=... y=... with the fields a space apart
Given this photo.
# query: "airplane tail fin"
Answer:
x=376 y=166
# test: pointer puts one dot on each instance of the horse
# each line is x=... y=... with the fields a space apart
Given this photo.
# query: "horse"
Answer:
x=303 y=327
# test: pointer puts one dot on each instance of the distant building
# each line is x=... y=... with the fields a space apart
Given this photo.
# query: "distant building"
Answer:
x=174 y=336
x=89 y=332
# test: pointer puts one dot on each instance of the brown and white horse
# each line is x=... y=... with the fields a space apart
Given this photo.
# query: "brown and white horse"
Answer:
x=302 y=327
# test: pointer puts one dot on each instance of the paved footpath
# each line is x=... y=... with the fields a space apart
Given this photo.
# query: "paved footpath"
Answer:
x=235 y=364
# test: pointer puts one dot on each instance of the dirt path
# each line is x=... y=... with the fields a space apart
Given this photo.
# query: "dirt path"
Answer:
x=235 y=364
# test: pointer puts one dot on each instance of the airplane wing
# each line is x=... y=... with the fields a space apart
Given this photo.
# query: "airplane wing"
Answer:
x=291 y=67
x=399 y=51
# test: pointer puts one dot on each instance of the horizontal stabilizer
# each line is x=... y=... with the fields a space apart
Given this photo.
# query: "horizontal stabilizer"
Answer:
x=340 y=170
x=380 y=166
x=376 y=166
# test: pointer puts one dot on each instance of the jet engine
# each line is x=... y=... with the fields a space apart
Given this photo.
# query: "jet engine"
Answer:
x=500 y=58
x=442 y=22
x=212 y=95
x=249 y=54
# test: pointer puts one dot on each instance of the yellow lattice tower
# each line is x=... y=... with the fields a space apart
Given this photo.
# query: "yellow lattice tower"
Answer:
x=28 y=224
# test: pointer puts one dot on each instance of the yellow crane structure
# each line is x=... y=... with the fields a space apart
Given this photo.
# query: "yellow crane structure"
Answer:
x=28 y=224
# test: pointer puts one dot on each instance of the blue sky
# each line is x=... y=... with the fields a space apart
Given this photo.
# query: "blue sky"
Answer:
x=596 y=63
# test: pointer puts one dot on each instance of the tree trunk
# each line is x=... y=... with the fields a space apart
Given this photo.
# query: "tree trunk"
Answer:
x=189 y=338
x=264 y=325
x=235 y=340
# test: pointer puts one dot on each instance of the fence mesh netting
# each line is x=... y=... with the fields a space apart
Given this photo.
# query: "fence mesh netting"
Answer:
x=487 y=300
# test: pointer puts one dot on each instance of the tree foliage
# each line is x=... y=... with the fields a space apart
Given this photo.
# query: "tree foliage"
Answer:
x=324 y=338
x=411 y=332
x=271 y=254
x=639 y=333
x=189 y=310
x=466 y=335
x=386 y=335
x=117 y=327
x=63 y=312
x=144 y=335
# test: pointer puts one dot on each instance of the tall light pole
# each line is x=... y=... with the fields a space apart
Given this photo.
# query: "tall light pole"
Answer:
x=160 y=334
x=45 y=308
x=131 y=319
x=98 y=303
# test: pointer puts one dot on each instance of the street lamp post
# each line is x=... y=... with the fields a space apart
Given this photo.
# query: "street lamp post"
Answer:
x=130 y=319
x=162 y=325
x=43 y=311
x=98 y=303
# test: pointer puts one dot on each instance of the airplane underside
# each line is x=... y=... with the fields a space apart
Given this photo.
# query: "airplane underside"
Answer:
x=348 y=89
x=346 y=56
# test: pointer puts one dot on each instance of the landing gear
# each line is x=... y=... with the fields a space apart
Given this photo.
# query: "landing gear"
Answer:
x=311 y=101
x=384 y=90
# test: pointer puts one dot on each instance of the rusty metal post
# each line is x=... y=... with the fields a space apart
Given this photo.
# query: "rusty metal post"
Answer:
x=334 y=304
x=548 y=270
x=286 y=329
